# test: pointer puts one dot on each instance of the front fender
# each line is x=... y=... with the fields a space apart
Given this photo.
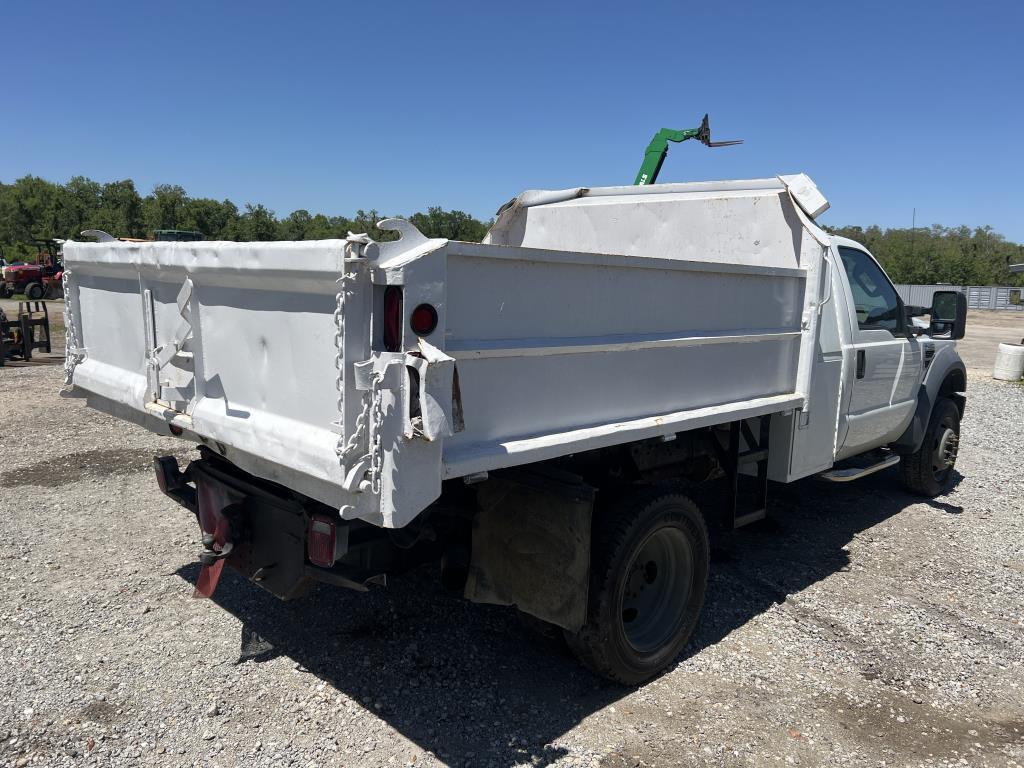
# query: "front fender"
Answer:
x=946 y=377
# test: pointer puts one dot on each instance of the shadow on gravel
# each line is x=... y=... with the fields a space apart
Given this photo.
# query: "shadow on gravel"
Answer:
x=472 y=685
x=75 y=466
x=38 y=359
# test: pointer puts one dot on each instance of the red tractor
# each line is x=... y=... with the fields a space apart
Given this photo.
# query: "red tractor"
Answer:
x=39 y=280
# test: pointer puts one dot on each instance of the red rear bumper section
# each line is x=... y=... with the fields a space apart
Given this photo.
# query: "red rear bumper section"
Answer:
x=267 y=533
x=256 y=528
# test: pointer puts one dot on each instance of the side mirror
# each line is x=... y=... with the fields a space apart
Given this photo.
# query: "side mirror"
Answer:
x=949 y=314
x=915 y=324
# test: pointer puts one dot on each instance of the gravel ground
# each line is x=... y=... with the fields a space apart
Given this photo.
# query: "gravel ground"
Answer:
x=860 y=627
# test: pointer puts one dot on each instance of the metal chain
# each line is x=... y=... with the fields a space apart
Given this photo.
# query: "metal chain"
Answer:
x=346 y=448
x=376 y=451
x=371 y=414
x=345 y=451
x=72 y=355
x=339 y=361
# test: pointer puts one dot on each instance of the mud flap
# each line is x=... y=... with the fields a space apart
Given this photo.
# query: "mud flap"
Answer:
x=214 y=500
x=531 y=545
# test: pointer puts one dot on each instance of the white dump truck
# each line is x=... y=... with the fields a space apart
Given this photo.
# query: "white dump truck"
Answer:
x=531 y=411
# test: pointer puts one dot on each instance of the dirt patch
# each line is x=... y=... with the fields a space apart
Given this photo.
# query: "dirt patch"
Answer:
x=915 y=730
x=100 y=712
x=985 y=331
x=74 y=467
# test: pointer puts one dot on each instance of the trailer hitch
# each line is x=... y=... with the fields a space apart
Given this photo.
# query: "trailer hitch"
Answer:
x=209 y=555
x=220 y=522
x=214 y=549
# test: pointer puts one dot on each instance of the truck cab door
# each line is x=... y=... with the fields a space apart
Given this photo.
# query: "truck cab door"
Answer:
x=883 y=361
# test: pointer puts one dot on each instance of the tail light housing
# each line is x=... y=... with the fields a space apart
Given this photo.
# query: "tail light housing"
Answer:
x=321 y=540
x=393 y=318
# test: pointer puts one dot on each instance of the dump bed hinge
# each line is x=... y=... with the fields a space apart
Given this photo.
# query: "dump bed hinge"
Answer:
x=160 y=356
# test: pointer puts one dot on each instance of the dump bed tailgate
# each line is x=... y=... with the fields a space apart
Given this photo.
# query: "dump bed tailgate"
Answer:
x=232 y=342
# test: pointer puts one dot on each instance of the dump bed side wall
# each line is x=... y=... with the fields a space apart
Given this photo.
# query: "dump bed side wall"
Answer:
x=558 y=342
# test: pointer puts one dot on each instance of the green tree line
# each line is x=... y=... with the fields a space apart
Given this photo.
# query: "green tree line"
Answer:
x=32 y=208
x=929 y=255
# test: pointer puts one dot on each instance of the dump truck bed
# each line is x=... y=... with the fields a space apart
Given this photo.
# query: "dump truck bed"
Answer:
x=590 y=318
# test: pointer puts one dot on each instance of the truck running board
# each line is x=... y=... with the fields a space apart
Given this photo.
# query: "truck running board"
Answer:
x=856 y=473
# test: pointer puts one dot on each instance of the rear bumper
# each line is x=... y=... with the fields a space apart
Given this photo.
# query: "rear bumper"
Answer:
x=269 y=526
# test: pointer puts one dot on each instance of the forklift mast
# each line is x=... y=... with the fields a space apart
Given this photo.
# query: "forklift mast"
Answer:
x=656 y=151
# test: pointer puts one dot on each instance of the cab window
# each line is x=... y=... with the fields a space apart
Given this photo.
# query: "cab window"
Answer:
x=876 y=301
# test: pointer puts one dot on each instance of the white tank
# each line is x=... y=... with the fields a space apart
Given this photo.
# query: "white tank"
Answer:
x=1009 y=362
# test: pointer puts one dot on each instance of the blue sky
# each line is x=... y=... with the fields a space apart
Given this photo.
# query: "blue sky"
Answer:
x=334 y=106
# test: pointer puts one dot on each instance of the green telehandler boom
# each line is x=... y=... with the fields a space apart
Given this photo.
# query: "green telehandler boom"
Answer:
x=658 y=148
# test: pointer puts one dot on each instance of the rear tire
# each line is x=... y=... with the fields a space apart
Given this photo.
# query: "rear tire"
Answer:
x=648 y=578
x=34 y=291
x=927 y=471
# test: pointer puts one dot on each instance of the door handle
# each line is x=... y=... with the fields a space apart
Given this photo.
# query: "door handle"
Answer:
x=861 y=363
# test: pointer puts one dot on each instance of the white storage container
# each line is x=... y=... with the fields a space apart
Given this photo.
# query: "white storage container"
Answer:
x=1009 y=362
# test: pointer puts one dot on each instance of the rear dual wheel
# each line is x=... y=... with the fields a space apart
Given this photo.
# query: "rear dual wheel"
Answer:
x=649 y=571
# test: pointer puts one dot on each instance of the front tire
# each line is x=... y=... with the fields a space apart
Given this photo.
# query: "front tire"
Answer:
x=34 y=291
x=649 y=573
x=927 y=471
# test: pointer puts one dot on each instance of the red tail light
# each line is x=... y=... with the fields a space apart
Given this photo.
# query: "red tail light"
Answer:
x=320 y=541
x=393 y=318
x=423 y=320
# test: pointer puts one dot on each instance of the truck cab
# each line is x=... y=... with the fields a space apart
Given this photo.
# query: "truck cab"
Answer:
x=882 y=357
x=894 y=370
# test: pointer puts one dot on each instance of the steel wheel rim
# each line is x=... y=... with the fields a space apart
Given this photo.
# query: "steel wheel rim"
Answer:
x=657 y=588
x=944 y=453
